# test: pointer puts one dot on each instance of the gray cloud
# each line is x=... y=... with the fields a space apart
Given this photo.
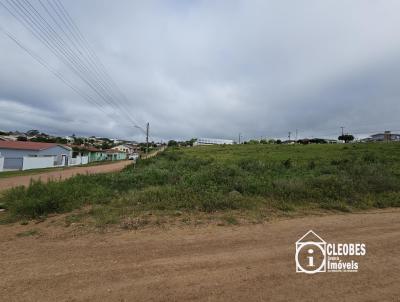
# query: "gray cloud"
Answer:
x=217 y=68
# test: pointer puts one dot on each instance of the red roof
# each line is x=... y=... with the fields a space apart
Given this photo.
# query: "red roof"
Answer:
x=28 y=145
x=93 y=149
x=114 y=151
x=86 y=148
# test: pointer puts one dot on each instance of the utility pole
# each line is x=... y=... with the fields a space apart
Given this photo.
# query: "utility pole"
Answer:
x=240 y=134
x=342 y=130
x=296 y=134
x=289 y=135
x=147 y=137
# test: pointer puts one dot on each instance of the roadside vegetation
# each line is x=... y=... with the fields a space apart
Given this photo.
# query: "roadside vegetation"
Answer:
x=8 y=174
x=236 y=182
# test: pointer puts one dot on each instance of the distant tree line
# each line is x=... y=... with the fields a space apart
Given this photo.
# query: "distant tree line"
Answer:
x=188 y=143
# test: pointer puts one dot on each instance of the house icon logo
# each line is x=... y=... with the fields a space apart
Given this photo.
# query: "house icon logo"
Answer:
x=310 y=254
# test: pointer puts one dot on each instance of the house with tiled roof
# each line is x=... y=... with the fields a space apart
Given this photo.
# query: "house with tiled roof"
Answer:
x=113 y=154
x=19 y=155
x=94 y=154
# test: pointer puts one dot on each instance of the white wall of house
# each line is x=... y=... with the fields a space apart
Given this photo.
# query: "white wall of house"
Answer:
x=1 y=163
x=14 y=157
x=84 y=160
x=79 y=160
x=56 y=150
x=38 y=162
x=74 y=161
x=123 y=148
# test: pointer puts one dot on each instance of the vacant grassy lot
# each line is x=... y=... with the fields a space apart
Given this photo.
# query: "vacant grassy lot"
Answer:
x=252 y=181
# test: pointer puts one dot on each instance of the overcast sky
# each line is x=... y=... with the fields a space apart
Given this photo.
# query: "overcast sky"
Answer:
x=215 y=69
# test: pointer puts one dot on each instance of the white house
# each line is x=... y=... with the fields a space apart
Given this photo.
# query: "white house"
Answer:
x=32 y=155
x=123 y=148
x=70 y=139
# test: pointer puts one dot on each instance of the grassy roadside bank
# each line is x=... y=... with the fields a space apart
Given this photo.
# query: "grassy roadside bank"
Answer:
x=8 y=174
x=246 y=180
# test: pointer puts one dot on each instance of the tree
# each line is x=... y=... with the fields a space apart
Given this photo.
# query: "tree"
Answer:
x=78 y=141
x=346 y=138
x=106 y=145
x=304 y=141
x=191 y=142
x=41 y=139
x=22 y=139
x=172 y=143
x=60 y=140
x=32 y=132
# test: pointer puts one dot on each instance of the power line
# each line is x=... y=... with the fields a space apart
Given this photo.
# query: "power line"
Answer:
x=72 y=56
x=50 y=37
x=55 y=73
x=84 y=44
x=81 y=59
x=71 y=26
x=57 y=50
x=36 y=57
x=147 y=137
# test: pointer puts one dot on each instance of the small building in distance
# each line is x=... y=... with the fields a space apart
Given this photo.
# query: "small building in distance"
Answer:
x=69 y=139
x=123 y=148
x=212 y=141
x=134 y=147
x=113 y=154
x=386 y=136
x=92 y=153
x=96 y=154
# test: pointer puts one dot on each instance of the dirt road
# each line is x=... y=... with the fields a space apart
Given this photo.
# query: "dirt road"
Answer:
x=10 y=182
x=242 y=263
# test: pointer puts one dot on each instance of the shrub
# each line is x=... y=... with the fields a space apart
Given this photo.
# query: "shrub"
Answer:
x=311 y=165
x=287 y=163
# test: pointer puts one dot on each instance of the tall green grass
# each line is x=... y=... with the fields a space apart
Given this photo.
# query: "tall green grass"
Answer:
x=223 y=178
